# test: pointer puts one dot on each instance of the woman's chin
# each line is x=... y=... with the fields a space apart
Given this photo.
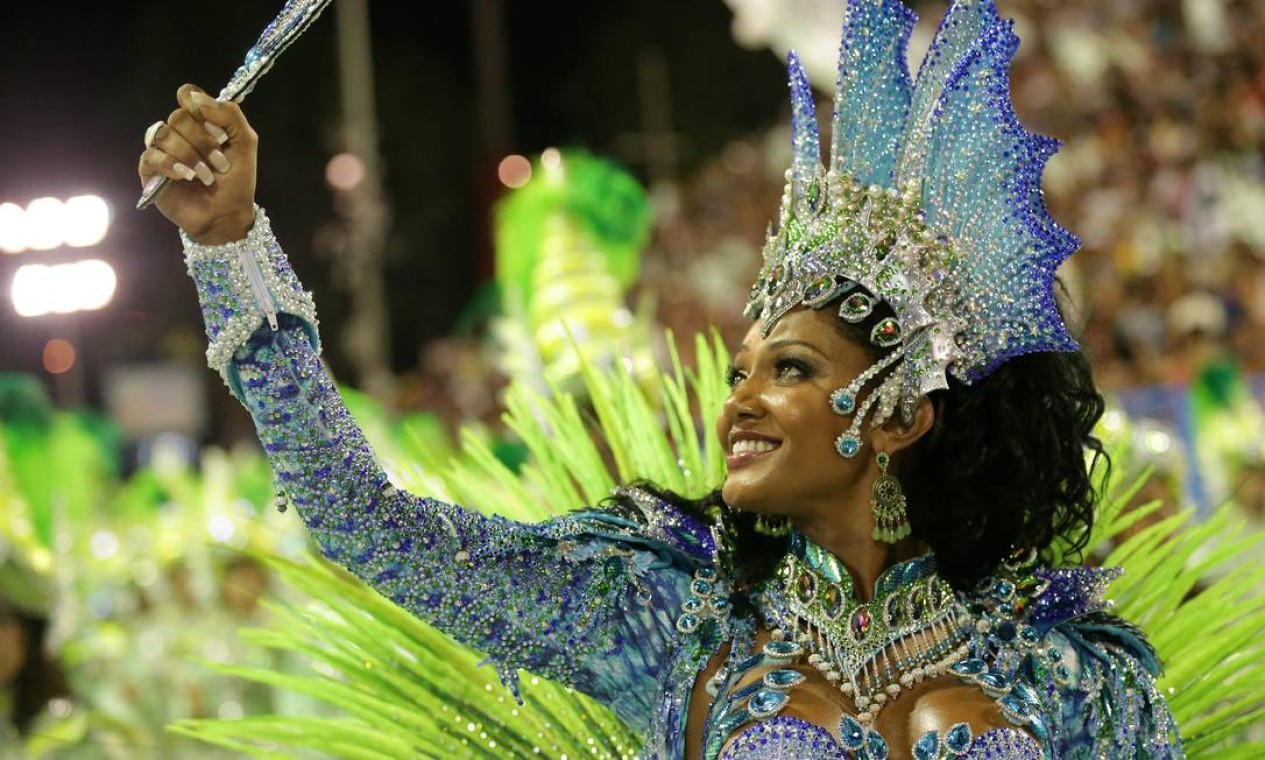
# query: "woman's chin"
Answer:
x=746 y=497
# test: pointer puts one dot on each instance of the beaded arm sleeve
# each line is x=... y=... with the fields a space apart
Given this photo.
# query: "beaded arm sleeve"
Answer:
x=566 y=599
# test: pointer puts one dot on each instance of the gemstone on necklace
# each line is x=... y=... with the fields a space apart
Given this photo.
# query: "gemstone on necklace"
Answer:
x=784 y=651
x=928 y=747
x=805 y=585
x=860 y=623
x=969 y=668
x=852 y=732
x=891 y=611
x=958 y=739
x=833 y=598
x=766 y=702
x=875 y=747
x=994 y=683
x=917 y=604
x=782 y=679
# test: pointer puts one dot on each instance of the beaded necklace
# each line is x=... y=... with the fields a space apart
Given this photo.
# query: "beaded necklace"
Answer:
x=913 y=629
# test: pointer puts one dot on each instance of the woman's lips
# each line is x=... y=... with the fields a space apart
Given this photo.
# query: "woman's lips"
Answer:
x=734 y=461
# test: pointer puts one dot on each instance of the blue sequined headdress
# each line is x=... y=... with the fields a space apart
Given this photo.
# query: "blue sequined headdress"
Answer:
x=931 y=203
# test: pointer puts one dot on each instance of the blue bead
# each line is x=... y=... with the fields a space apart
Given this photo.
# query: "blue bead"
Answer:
x=702 y=588
x=848 y=446
x=1006 y=631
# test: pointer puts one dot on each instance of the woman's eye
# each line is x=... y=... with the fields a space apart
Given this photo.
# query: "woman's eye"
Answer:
x=733 y=376
x=792 y=369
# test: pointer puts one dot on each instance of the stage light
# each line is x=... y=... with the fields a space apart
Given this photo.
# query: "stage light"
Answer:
x=86 y=219
x=39 y=289
x=12 y=228
x=48 y=223
x=43 y=223
x=514 y=171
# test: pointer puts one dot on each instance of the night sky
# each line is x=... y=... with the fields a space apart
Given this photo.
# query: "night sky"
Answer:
x=81 y=83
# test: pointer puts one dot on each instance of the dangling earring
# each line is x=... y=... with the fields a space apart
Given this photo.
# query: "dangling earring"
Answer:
x=891 y=523
x=772 y=526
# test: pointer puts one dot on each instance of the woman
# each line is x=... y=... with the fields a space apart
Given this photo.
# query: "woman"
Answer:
x=906 y=435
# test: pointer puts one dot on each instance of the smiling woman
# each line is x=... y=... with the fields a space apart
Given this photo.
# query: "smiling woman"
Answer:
x=906 y=431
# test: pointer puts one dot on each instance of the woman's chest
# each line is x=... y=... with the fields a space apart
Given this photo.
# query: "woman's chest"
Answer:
x=768 y=704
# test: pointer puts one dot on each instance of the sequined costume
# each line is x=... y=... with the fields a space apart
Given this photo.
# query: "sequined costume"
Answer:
x=629 y=605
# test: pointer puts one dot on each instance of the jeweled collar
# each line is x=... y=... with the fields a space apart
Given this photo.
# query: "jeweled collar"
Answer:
x=913 y=628
x=832 y=569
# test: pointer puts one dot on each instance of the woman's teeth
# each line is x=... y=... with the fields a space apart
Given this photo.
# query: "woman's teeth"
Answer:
x=749 y=446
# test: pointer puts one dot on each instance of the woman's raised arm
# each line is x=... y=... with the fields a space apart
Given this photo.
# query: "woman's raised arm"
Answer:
x=567 y=599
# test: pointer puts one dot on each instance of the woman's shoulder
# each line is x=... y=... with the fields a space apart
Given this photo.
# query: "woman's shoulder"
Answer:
x=1061 y=665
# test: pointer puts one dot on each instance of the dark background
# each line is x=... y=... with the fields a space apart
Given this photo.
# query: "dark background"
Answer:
x=82 y=82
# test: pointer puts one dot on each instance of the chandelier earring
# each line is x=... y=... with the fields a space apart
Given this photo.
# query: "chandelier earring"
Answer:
x=891 y=522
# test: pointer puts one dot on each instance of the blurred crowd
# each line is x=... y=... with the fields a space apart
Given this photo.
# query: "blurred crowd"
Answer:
x=1161 y=108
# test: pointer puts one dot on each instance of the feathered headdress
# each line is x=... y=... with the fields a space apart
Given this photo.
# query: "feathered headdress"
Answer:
x=931 y=203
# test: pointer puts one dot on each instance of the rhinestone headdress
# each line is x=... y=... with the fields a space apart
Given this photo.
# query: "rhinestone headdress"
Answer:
x=931 y=203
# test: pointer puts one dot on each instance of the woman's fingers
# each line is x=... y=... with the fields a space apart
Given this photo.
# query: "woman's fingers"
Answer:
x=192 y=132
x=171 y=139
x=156 y=162
x=224 y=121
x=212 y=148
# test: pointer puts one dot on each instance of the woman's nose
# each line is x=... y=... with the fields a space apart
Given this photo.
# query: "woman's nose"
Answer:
x=743 y=401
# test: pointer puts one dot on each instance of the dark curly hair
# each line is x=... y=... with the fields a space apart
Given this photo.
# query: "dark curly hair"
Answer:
x=1007 y=465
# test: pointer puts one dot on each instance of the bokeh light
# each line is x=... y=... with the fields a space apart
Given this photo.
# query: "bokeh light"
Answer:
x=59 y=356
x=514 y=171
x=345 y=172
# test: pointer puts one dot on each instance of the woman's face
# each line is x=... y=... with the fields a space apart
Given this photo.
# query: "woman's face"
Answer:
x=777 y=427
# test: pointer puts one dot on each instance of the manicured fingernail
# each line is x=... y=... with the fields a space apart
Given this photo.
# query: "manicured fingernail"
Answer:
x=201 y=99
x=216 y=131
x=219 y=161
x=185 y=172
x=204 y=173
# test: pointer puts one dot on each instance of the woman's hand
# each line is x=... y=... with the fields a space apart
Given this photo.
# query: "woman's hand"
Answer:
x=208 y=151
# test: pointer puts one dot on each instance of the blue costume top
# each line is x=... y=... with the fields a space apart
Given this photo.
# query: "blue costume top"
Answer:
x=628 y=606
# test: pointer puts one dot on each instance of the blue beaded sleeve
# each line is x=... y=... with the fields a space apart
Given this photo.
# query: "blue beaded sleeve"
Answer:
x=566 y=599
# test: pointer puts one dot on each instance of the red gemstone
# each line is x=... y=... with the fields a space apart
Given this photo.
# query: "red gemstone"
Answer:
x=860 y=622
